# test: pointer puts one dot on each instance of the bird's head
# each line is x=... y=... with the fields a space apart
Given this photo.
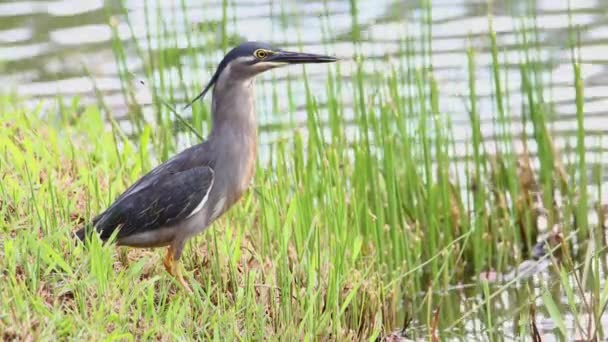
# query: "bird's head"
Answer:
x=251 y=58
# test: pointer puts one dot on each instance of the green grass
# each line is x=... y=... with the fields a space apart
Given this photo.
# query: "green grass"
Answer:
x=340 y=238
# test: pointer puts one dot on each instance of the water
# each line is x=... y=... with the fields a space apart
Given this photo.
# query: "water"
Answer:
x=59 y=47
x=65 y=47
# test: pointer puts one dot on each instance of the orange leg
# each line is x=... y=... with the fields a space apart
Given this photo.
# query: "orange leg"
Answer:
x=173 y=268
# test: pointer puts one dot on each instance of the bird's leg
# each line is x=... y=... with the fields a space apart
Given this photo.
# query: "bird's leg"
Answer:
x=171 y=262
x=123 y=256
x=168 y=260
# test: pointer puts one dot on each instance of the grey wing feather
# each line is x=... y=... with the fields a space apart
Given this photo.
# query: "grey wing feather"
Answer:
x=164 y=199
x=194 y=156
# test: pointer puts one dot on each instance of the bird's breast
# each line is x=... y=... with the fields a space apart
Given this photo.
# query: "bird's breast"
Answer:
x=247 y=169
x=233 y=175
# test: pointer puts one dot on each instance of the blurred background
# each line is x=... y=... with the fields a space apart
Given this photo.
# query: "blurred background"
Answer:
x=99 y=50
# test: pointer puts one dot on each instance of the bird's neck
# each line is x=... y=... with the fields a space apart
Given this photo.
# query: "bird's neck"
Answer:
x=233 y=108
x=234 y=136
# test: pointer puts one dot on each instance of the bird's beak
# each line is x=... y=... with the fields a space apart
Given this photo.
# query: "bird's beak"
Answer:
x=288 y=57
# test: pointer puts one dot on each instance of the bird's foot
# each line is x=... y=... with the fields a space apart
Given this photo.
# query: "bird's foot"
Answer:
x=173 y=268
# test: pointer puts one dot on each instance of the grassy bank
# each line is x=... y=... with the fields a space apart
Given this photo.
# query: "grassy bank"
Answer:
x=341 y=238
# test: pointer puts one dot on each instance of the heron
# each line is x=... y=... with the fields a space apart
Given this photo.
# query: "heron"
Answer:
x=181 y=197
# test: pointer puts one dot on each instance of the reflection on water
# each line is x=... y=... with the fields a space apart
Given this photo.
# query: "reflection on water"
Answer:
x=64 y=47
x=47 y=46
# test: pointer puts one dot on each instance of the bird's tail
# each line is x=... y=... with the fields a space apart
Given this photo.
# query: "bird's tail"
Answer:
x=82 y=233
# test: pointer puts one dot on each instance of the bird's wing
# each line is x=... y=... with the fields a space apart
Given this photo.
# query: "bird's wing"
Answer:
x=163 y=200
x=191 y=157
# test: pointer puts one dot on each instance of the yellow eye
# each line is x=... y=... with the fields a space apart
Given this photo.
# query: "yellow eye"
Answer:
x=260 y=54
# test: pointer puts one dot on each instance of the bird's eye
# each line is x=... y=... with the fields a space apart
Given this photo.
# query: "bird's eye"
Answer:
x=260 y=54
